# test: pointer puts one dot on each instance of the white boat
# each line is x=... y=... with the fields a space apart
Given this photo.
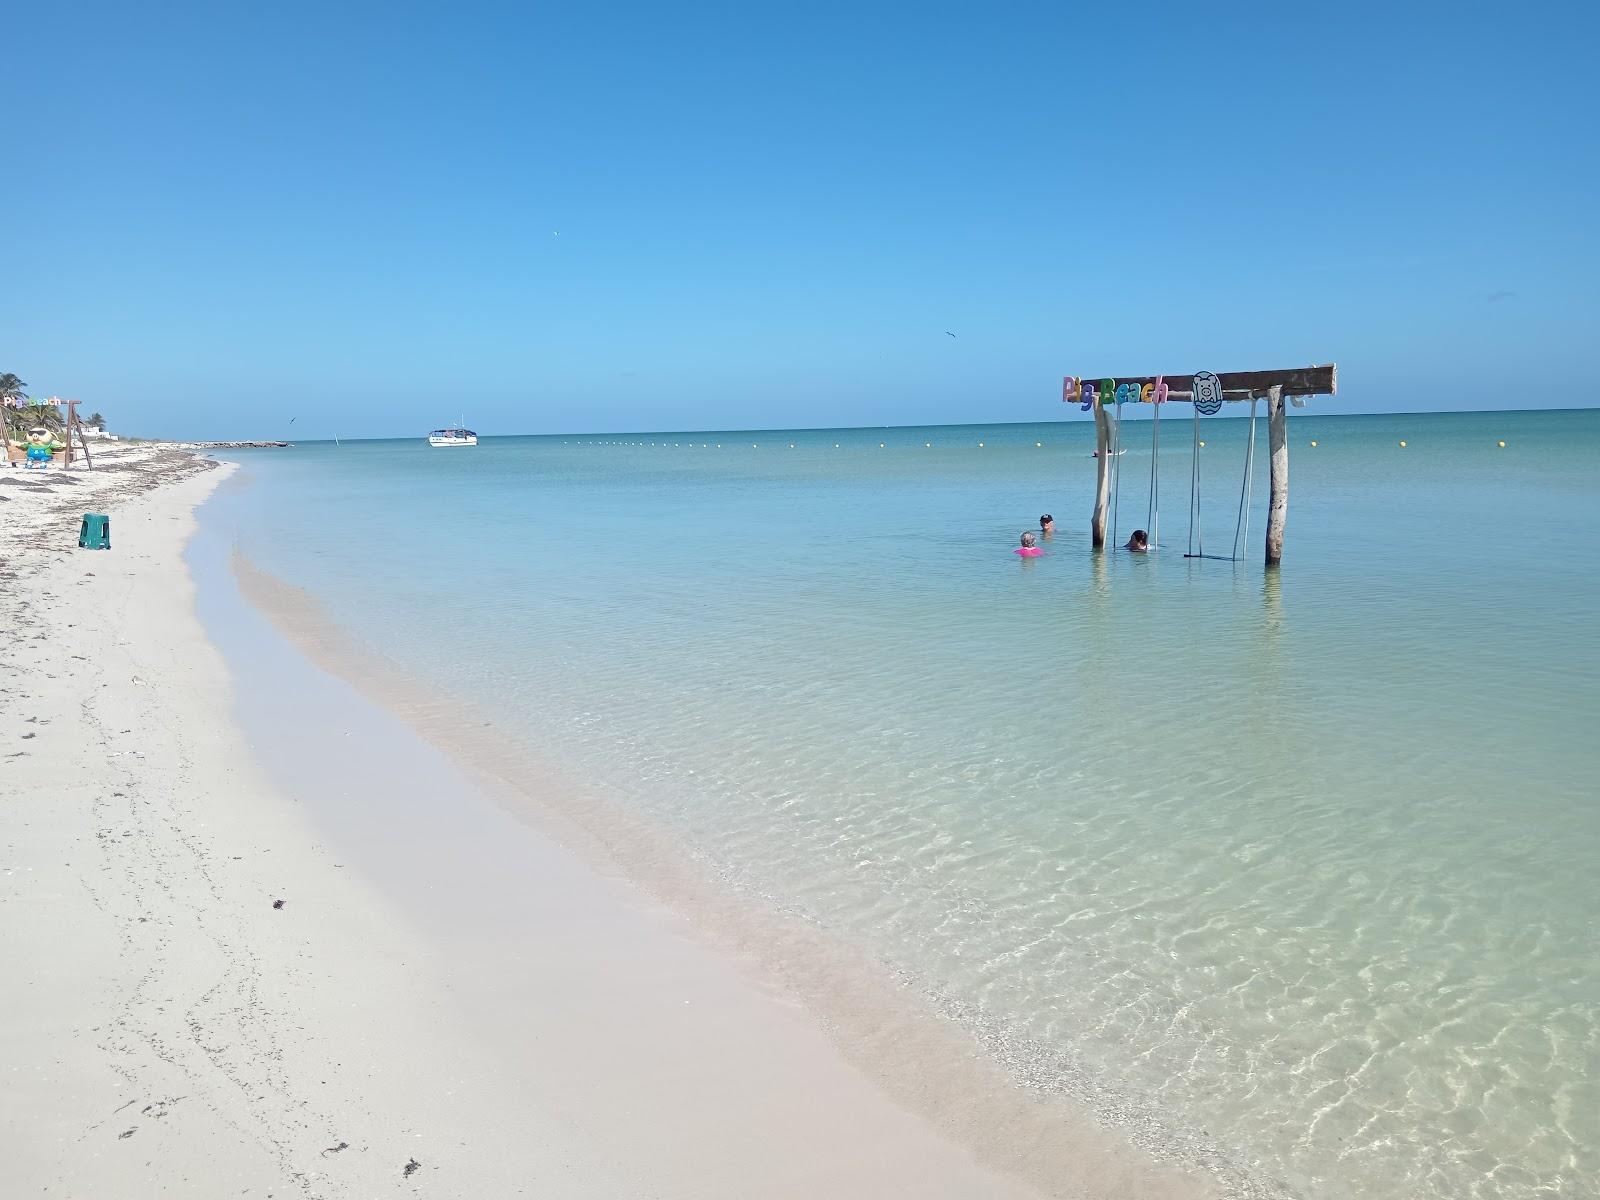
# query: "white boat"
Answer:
x=452 y=437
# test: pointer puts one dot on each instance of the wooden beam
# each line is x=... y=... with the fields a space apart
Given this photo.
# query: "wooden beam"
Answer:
x=1300 y=381
x=1102 y=482
x=1278 y=511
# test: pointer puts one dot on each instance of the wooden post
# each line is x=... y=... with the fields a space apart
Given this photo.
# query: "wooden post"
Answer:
x=1102 y=481
x=1278 y=440
x=74 y=424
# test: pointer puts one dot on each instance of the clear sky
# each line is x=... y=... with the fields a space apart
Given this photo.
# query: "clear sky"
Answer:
x=546 y=218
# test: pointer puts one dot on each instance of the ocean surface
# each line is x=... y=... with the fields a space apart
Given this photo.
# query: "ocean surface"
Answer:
x=1304 y=862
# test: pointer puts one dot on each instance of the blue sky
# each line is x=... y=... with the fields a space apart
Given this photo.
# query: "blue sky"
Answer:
x=601 y=217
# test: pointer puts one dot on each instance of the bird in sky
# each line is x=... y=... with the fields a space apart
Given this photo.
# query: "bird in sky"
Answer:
x=947 y=333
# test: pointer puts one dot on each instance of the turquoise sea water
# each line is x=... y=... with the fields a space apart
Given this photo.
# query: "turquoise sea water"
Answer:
x=1306 y=860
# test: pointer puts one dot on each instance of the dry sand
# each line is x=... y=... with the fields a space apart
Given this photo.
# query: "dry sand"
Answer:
x=448 y=1003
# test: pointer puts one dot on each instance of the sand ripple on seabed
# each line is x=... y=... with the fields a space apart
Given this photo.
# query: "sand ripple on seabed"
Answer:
x=1241 y=974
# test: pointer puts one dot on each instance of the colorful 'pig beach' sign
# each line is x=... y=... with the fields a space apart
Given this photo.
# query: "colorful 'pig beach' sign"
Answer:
x=1109 y=391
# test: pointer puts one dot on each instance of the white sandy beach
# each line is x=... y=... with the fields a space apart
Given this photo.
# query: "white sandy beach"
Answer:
x=448 y=1003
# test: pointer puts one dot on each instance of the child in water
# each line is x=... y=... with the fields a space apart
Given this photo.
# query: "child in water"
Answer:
x=1047 y=526
x=1139 y=543
x=1030 y=546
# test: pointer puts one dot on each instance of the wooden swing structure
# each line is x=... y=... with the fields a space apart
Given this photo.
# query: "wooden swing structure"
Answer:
x=71 y=426
x=1206 y=391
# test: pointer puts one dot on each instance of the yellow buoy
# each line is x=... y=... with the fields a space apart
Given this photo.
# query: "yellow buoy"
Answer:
x=1202 y=445
x=791 y=445
x=1313 y=441
x=1502 y=445
x=1402 y=445
x=929 y=445
x=836 y=445
x=980 y=445
x=880 y=445
x=1038 y=443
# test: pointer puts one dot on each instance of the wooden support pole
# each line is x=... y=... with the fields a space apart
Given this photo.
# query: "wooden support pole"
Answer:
x=73 y=423
x=1102 y=479
x=1278 y=440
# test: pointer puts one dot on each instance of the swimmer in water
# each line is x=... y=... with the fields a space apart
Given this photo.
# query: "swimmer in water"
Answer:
x=1030 y=545
x=1047 y=526
x=1139 y=543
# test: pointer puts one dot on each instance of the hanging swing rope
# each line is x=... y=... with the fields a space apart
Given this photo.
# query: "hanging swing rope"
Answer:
x=1249 y=479
x=1194 y=495
x=1241 y=525
x=1246 y=486
x=1153 y=514
x=1115 y=451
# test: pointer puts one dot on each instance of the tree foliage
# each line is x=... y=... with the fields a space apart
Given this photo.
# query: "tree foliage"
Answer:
x=20 y=420
x=11 y=390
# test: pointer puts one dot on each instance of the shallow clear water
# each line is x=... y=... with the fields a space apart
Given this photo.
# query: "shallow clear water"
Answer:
x=1306 y=860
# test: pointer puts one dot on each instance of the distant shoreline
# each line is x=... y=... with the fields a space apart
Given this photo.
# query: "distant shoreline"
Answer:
x=232 y=445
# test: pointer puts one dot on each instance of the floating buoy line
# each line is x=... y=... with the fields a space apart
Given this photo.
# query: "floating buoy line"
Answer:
x=1403 y=444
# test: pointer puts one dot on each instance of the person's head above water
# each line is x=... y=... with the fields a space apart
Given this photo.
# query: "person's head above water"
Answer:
x=1139 y=541
x=1029 y=538
x=1047 y=523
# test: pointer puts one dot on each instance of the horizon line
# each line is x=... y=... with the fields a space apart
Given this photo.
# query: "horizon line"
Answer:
x=1076 y=418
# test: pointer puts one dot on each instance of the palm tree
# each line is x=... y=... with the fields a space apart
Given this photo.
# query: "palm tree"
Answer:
x=20 y=420
x=95 y=419
x=11 y=392
x=48 y=415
